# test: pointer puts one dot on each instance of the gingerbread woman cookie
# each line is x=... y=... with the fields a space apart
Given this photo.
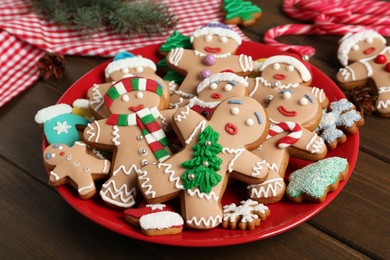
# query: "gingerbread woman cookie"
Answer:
x=213 y=151
x=134 y=131
x=213 y=51
x=216 y=88
x=294 y=114
x=366 y=61
x=123 y=65
x=76 y=165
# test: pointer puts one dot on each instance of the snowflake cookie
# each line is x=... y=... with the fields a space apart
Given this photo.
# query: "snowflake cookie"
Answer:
x=248 y=215
x=340 y=118
x=314 y=181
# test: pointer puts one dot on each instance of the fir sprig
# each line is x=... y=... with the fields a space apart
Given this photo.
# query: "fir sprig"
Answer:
x=128 y=18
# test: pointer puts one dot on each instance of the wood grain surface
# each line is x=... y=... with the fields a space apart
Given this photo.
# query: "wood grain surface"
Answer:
x=36 y=223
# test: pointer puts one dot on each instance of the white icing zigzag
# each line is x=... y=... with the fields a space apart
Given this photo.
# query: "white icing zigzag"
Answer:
x=182 y=115
x=126 y=197
x=89 y=132
x=145 y=180
x=168 y=170
x=201 y=126
x=246 y=63
x=176 y=56
x=315 y=144
x=86 y=187
x=383 y=104
x=258 y=168
x=210 y=222
x=318 y=93
x=203 y=195
x=116 y=135
x=97 y=97
x=259 y=190
x=236 y=151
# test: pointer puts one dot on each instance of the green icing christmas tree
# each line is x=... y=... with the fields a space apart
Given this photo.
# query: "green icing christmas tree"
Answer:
x=240 y=8
x=201 y=169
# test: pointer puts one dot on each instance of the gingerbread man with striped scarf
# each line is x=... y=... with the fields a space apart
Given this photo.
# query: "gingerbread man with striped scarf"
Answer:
x=134 y=132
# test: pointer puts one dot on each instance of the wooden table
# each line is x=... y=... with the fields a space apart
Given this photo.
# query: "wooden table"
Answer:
x=37 y=223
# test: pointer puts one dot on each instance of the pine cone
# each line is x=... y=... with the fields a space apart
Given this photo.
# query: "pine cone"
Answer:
x=51 y=66
x=363 y=99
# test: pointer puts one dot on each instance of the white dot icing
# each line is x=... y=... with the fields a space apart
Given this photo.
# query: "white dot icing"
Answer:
x=140 y=95
x=125 y=98
x=249 y=122
x=228 y=87
x=235 y=111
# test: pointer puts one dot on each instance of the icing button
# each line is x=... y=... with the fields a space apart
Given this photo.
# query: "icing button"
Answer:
x=209 y=60
x=142 y=151
x=206 y=164
x=140 y=137
x=380 y=59
x=387 y=68
x=276 y=84
x=208 y=143
x=144 y=162
x=191 y=176
x=205 y=74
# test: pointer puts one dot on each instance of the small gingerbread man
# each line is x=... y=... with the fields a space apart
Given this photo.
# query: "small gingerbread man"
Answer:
x=213 y=151
x=76 y=165
x=123 y=65
x=366 y=58
x=213 y=51
x=134 y=131
x=294 y=114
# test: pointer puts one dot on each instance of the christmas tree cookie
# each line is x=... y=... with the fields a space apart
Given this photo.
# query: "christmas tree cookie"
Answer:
x=241 y=12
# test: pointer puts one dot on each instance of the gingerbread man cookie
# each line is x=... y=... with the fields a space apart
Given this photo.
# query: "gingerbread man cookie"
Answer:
x=213 y=151
x=216 y=88
x=294 y=114
x=213 y=51
x=123 y=65
x=134 y=131
x=366 y=60
x=76 y=165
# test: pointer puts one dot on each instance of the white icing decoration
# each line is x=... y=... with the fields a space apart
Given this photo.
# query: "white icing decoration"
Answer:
x=182 y=115
x=318 y=93
x=223 y=76
x=208 y=38
x=168 y=170
x=223 y=39
x=347 y=72
x=246 y=63
x=263 y=190
x=221 y=32
x=243 y=212
x=269 y=85
x=126 y=197
x=217 y=56
x=303 y=71
x=175 y=55
x=86 y=187
x=81 y=103
x=234 y=111
x=258 y=168
x=97 y=97
x=116 y=135
x=55 y=175
x=237 y=152
x=157 y=206
x=286 y=95
x=202 y=195
x=228 y=87
x=62 y=127
x=249 y=122
x=131 y=62
x=383 y=89
x=368 y=67
x=125 y=98
x=91 y=134
x=290 y=68
x=316 y=143
x=200 y=127
x=51 y=112
x=139 y=95
x=204 y=104
x=383 y=104
x=276 y=66
x=303 y=101
x=209 y=222
x=160 y=220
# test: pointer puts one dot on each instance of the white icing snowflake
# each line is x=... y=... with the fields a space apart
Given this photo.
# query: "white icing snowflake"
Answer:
x=62 y=127
x=246 y=210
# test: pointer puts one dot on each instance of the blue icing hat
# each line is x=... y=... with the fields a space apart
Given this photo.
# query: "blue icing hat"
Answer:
x=123 y=55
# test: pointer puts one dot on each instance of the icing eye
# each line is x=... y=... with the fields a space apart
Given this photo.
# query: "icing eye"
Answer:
x=249 y=122
x=125 y=70
x=286 y=95
x=276 y=66
x=47 y=156
x=140 y=95
x=369 y=40
x=77 y=163
x=125 y=98
x=208 y=38
x=290 y=68
x=213 y=85
x=303 y=101
x=87 y=169
x=60 y=147
x=223 y=39
x=355 y=47
x=235 y=111
x=228 y=87
x=140 y=69
x=53 y=155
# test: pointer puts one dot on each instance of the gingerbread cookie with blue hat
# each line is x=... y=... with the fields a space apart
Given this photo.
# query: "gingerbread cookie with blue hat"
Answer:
x=134 y=131
x=124 y=64
x=214 y=46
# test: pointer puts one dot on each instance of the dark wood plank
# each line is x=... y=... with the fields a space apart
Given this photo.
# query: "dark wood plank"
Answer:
x=359 y=216
x=37 y=223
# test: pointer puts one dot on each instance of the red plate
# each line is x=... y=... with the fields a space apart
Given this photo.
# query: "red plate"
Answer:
x=284 y=215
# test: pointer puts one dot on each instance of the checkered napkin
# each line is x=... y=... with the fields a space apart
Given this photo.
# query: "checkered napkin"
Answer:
x=25 y=38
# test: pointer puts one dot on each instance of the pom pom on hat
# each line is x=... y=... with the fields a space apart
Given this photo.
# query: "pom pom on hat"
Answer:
x=294 y=58
x=350 y=39
x=128 y=60
x=216 y=28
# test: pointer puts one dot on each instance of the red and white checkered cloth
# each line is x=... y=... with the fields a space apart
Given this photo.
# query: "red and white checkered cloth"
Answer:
x=26 y=37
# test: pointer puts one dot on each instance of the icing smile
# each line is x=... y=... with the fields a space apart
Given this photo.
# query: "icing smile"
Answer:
x=285 y=112
x=137 y=108
x=279 y=76
x=369 y=50
x=216 y=96
x=231 y=129
x=212 y=50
